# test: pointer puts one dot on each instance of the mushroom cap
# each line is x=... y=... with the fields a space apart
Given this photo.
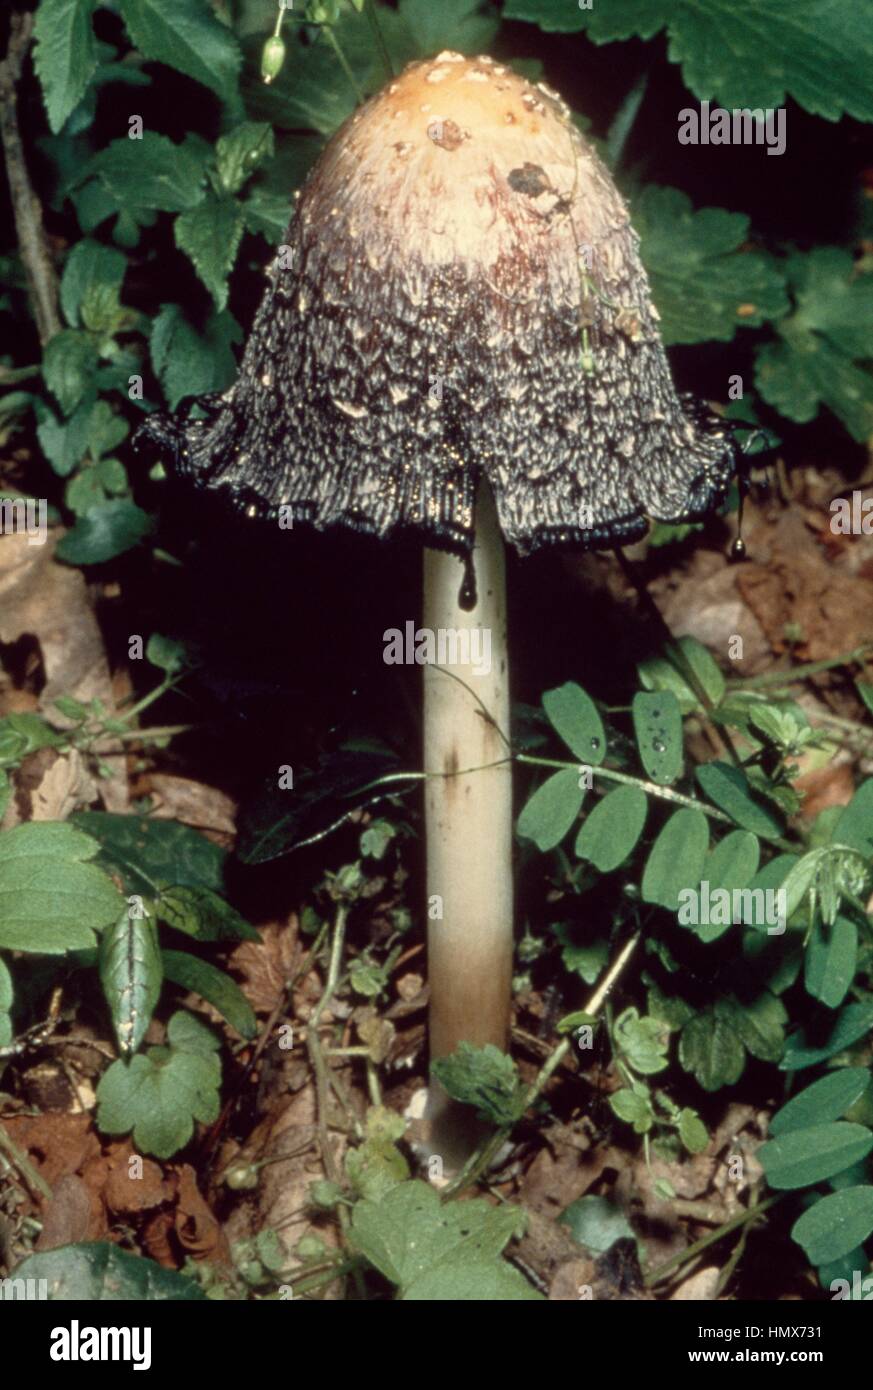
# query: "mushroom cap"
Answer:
x=455 y=251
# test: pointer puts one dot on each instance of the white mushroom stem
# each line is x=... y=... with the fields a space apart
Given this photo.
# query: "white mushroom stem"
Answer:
x=468 y=821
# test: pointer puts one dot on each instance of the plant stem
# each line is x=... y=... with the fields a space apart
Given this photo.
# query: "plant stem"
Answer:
x=343 y=62
x=800 y=673
x=656 y=1275
x=370 y=7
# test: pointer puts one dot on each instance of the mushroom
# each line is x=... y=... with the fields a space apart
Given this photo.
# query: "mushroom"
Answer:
x=458 y=339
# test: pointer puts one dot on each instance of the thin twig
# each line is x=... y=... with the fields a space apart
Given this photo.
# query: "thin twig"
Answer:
x=42 y=281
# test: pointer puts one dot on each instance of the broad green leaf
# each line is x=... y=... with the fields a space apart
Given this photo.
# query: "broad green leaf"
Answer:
x=239 y=153
x=98 y=1272
x=642 y=1041
x=825 y=1100
x=69 y=366
x=596 y=1223
x=703 y=285
x=205 y=915
x=213 y=985
x=152 y=173
x=634 y=1108
x=676 y=859
x=803 y=1157
x=703 y=666
x=855 y=825
x=187 y=36
x=586 y=960
x=836 y=1224
x=167 y=653
x=52 y=900
x=612 y=828
x=730 y=866
x=431 y=1250
x=831 y=959
x=693 y=1132
x=65 y=442
x=159 y=1094
x=710 y=1049
x=151 y=853
x=89 y=266
x=552 y=809
x=759 y=1024
x=106 y=531
x=813 y=362
x=106 y=430
x=210 y=235
x=131 y=975
x=728 y=788
x=465 y=26
x=657 y=720
x=852 y=1023
x=24 y=733
x=188 y=362
x=7 y=994
x=483 y=1077
x=65 y=55
x=573 y=715
x=819 y=51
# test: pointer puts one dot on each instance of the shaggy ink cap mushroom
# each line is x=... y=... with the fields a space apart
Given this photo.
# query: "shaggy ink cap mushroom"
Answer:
x=460 y=296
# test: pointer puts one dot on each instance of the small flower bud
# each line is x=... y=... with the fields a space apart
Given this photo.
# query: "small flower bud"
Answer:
x=272 y=58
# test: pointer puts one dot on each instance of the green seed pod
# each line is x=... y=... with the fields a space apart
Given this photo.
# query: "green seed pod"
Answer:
x=272 y=58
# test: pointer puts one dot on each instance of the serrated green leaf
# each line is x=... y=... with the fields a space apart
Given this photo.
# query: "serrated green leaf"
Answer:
x=52 y=900
x=131 y=975
x=485 y=1078
x=239 y=153
x=643 y=1041
x=759 y=1024
x=634 y=1109
x=823 y=1101
x=69 y=366
x=158 y=1095
x=188 y=362
x=835 y=1224
x=151 y=853
x=65 y=442
x=728 y=788
x=89 y=265
x=105 y=531
x=210 y=235
x=205 y=915
x=98 y=1272
x=552 y=809
x=24 y=733
x=152 y=173
x=213 y=985
x=465 y=26
x=676 y=859
x=65 y=55
x=612 y=828
x=704 y=287
x=186 y=36
x=831 y=960
x=657 y=720
x=574 y=717
x=710 y=1049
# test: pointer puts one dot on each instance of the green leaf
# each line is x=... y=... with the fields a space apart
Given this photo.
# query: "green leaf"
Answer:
x=803 y=1157
x=692 y=1132
x=377 y=1165
x=823 y=1101
x=642 y=1041
x=676 y=858
x=612 y=828
x=465 y=26
x=855 y=825
x=24 y=733
x=573 y=715
x=851 y=1024
x=89 y=266
x=200 y=913
x=106 y=531
x=106 y=429
x=186 y=36
x=836 y=1224
x=65 y=56
x=586 y=960
x=190 y=363
x=7 y=995
x=158 y=1095
x=65 y=442
x=437 y=1252
x=552 y=809
x=131 y=975
x=710 y=1049
x=51 y=899
x=97 y=1271
x=69 y=365
x=596 y=1223
x=210 y=236
x=239 y=153
x=657 y=720
x=703 y=285
x=730 y=866
x=820 y=52
x=152 y=173
x=166 y=653
x=150 y=853
x=691 y=653
x=483 y=1077
x=213 y=985
x=831 y=960
x=728 y=788
x=759 y=1025
x=813 y=362
x=635 y=1109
